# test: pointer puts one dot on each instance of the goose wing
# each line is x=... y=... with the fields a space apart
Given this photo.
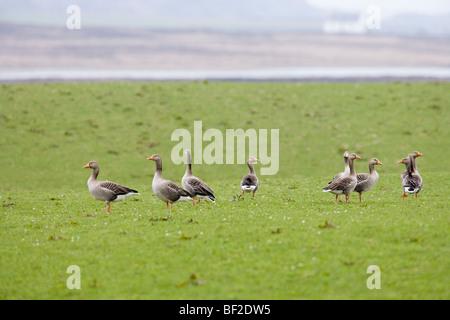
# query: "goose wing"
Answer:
x=115 y=188
x=196 y=186
x=173 y=192
x=340 y=184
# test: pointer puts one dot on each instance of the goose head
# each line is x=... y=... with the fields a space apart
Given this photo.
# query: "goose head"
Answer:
x=155 y=157
x=375 y=161
x=416 y=154
x=92 y=165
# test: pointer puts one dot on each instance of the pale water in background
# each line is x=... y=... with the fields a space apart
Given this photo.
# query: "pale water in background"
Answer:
x=282 y=74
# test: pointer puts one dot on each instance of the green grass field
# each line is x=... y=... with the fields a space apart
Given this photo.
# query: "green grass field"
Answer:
x=291 y=242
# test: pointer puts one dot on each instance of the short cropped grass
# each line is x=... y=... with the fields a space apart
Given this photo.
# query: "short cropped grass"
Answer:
x=291 y=242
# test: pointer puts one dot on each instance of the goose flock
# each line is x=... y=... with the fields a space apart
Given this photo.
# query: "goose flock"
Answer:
x=348 y=181
x=194 y=189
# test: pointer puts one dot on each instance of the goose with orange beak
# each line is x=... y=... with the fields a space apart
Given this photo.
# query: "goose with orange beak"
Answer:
x=411 y=180
x=166 y=190
x=106 y=190
x=346 y=171
x=366 y=181
x=346 y=184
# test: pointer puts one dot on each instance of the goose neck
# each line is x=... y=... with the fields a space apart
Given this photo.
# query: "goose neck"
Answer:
x=371 y=168
x=158 y=171
x=346 y=165
x=94 y=174
x=352 y=167
x=188 y=168
x=411 y=164
x=250 y=166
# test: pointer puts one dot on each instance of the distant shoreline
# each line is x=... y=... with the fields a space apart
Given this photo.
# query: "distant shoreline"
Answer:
x=310 y=80
x=313 y=74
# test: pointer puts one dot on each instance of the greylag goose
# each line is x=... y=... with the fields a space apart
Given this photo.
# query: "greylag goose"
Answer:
x=249 y=182
x=346 y=184
x=415 y=154
x=346 y=170
x=195 y=186
x=411 y=180
x=106 y=190
x=167 y=190
x=366 y=181
x=405 y=173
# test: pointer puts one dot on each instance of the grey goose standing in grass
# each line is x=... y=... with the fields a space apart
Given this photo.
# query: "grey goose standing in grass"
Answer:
x=195 y=186
x=249 y=182
x=405 y=173
x=366 y=181
x=414 y=172
x=415 y=154
x=346 y=184
x=166 y=190
x=106 y=190
x=411 y=180
x=346 y=170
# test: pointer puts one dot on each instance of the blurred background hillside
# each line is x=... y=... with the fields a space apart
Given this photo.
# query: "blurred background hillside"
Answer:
x=175 y=35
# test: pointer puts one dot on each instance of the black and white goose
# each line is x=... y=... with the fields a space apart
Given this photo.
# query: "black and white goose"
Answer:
x=195 y=186
x=106 y=190
x=346 y=184
x=249 y=182
x=166 y=190
x=411 y=180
